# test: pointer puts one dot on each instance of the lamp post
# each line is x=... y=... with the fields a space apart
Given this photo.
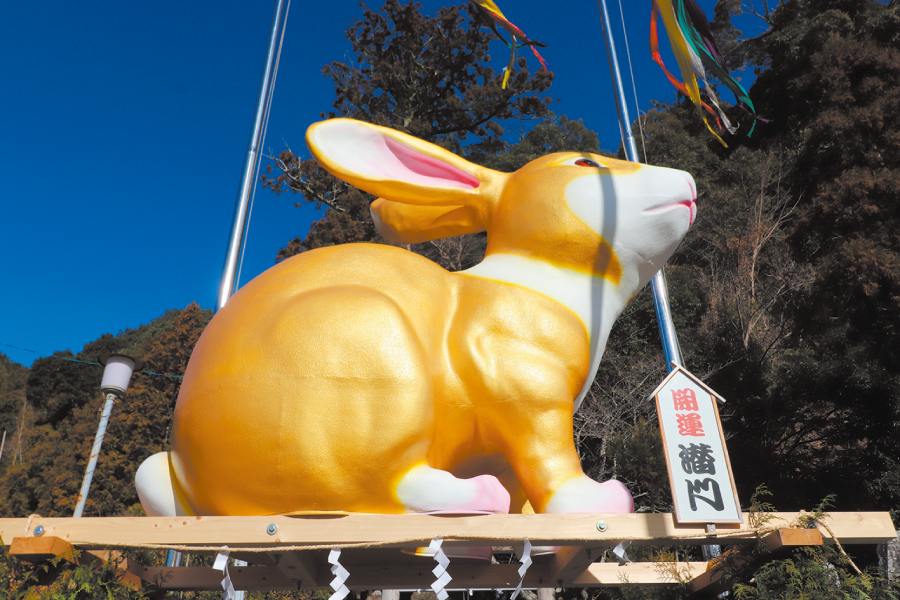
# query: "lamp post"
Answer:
x=116 y=377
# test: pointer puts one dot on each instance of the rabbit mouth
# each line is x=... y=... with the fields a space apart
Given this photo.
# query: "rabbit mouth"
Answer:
x=691 y=205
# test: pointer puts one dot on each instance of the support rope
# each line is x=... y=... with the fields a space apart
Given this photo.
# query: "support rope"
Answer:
x=637 y=107
x=237 y=279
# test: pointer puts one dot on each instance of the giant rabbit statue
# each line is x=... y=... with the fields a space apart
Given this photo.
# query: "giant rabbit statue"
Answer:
x=366 y=378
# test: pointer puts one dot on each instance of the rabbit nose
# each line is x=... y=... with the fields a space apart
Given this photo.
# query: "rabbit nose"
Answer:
x=693 y=186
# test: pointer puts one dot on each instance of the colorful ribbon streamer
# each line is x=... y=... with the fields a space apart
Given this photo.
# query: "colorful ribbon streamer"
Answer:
x=517 y=36
x=696 y=52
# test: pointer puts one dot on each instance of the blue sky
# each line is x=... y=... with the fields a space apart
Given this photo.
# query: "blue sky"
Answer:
x=125 y=125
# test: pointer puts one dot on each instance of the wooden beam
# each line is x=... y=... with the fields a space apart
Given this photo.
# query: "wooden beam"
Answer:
x=36 y=550
x=299 y=567
x=571 y=561
x=709 y=580
x=129 y=571
x=640 y=573
x=374 y=565
x=793 y=537
x=473 y=575
x=417 y=530
x=464 y=576
x=198 y=579
x=40 y=549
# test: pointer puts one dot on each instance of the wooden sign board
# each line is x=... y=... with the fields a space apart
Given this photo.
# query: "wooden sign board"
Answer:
x=696 y=457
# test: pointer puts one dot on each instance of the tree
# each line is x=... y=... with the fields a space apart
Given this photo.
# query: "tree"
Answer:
x=426 y=76
x=839 y=62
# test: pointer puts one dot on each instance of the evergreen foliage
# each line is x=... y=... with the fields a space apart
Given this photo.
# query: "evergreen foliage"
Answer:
x=62 y=578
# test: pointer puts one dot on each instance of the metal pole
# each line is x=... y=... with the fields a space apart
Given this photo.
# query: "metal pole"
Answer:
x=228 y=282
x=251 y=160
x=95 y=453
x=671 y=349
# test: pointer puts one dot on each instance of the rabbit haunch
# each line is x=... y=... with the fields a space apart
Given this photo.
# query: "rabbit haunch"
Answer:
x=367 y=378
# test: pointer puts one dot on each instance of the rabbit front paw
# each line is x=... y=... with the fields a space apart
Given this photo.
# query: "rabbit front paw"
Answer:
x=424 y=489
x=584 y=495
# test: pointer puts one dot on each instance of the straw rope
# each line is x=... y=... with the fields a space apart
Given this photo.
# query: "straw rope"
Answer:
x=838 y=544
x=31 y=518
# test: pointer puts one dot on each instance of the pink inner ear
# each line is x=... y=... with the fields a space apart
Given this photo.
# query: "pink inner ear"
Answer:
x=414 y=167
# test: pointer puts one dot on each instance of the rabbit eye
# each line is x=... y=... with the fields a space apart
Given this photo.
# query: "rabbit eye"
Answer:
x=586 y=162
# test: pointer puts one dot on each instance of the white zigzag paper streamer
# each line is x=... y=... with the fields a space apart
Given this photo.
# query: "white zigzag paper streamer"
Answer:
x=440 y=571
x=221 y=564
x=526 y=562
x=341 y=574
x=619 y=551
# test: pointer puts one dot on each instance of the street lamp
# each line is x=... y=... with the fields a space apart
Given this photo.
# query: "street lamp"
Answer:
x=116 y=376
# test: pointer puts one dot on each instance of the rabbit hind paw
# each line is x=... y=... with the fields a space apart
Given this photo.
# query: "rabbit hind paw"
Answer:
x=584 y=495
x=424 y=490
x=157 y=489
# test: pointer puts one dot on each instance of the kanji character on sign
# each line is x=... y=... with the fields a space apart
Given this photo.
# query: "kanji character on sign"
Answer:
x=697 y=458
x=685 y=399
x=689 y=424
x=697 y=486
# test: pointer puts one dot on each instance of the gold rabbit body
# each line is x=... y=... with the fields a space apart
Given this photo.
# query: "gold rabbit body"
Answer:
x=325 y=353
x=366 y=378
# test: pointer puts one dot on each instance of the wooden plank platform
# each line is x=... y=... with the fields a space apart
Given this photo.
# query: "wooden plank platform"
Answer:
x=289 y=552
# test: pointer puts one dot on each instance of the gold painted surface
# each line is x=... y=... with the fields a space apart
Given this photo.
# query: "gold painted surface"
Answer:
x=328 y=377
x=525 y=211
x=412 y=224
x=527 y=223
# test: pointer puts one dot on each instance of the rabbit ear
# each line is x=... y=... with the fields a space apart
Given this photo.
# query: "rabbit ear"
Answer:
x=397 y=166
x=409 y=224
